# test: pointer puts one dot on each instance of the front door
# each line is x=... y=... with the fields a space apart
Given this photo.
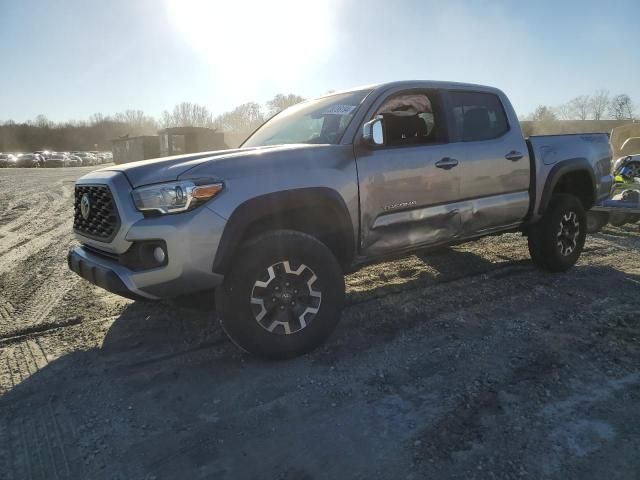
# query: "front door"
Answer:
x=409 y=187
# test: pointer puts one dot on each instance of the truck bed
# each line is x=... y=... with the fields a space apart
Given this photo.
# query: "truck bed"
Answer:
x=561 y=151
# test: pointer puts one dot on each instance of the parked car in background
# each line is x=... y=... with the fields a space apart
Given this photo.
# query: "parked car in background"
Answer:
x=88 y=158
x=44 y=154
x=28 y=160
x=55 y=160
x=7 y=160
x=73 y=161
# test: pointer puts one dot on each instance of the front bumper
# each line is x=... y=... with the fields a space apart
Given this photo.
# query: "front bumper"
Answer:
x=99 y=274
x=191 y=241
x=177 y=277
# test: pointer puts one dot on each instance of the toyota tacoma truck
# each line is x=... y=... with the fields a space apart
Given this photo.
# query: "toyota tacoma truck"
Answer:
x=325 y=187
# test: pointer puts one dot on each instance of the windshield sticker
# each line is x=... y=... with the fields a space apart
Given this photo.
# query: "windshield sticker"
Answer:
x=339 y=110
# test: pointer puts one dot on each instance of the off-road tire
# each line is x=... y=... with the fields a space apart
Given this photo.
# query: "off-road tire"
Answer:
x=546 y=237
x=273 y=329
x=596 y=220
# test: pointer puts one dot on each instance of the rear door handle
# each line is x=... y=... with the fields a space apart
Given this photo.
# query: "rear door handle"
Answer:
x=447 y=163
x=513 y=156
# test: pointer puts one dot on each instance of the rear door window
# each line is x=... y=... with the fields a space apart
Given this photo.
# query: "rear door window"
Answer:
x=478 y=116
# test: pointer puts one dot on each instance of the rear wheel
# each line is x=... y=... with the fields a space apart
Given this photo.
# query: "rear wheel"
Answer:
x=556 y=241
x=283 y=296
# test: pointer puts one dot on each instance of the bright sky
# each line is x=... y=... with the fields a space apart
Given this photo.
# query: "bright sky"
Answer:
x=69 y=59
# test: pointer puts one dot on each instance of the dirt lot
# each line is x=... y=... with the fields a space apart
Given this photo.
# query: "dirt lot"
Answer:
x=463 y=363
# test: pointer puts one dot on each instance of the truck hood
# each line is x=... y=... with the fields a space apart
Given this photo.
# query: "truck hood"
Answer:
x=167 y=169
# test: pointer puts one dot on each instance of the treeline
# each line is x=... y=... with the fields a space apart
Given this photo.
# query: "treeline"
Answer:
x=600 y=105
x=97 y=132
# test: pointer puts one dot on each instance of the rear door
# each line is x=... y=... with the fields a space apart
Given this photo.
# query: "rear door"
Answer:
x=495 y=173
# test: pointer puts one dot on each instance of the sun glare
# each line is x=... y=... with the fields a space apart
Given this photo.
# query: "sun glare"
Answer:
x=267 y=40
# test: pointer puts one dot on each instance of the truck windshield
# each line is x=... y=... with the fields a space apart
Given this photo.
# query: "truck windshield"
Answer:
x=316 y=121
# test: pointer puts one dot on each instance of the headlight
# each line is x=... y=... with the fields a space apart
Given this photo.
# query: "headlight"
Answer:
x=174 y=197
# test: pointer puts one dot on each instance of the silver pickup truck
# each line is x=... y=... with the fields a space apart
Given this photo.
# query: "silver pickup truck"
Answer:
x=325 y=187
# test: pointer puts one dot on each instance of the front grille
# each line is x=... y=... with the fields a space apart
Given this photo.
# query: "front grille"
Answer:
x=103 y=222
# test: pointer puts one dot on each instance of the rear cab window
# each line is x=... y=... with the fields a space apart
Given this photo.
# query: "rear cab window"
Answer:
x=478 y=116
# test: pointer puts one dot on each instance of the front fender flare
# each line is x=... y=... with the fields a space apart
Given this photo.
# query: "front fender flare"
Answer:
x=275 y=203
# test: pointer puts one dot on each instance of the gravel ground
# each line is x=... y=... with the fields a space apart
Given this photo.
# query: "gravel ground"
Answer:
x=461 y=363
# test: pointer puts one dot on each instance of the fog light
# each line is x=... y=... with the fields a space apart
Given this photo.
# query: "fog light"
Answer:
x=159 y=255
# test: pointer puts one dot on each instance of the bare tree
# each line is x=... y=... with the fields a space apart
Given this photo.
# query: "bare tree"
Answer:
x=240 y=122
x=621 y=107
x=97 y=118
x=243 y=118
x=564 y=111
x=580 y=106
x=543 y=114
x=136 y=120
x=599 y=104
x=280 y=102
x=41 y=121
x=187 y=114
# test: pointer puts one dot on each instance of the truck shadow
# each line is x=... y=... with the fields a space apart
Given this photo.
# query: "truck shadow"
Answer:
x=423 y=269
x=191 y=323
x=165 y=395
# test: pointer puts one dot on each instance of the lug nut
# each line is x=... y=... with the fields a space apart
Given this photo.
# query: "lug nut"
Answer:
x=293 y=303
x=281 y=307
x=273 y=299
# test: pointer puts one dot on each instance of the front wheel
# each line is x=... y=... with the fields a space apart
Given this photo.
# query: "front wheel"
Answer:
x=556 y=241
x=283 y=296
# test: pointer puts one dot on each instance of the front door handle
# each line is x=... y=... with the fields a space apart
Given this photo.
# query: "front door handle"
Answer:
x=513 y=156
x=447 y=163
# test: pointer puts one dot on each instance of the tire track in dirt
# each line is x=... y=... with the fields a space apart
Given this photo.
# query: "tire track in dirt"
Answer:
x=33 y=211
x=41 y=221
x=38 y=447
x=33 y=274
x=38 y=296
x=60 y=232
x=34 y=436
x=16 y=200
x=6 y=310
x=9 y=259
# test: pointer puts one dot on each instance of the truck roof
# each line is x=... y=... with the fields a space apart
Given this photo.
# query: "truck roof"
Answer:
x=435 y=84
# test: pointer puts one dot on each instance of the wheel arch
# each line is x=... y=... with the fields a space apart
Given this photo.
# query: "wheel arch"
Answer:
x=318 y=211
x=574 y=176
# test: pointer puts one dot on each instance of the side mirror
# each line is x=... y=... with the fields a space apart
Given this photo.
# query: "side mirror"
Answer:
x=373 y=133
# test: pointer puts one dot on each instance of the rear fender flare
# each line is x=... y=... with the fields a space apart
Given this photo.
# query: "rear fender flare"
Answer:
x=558 y=171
